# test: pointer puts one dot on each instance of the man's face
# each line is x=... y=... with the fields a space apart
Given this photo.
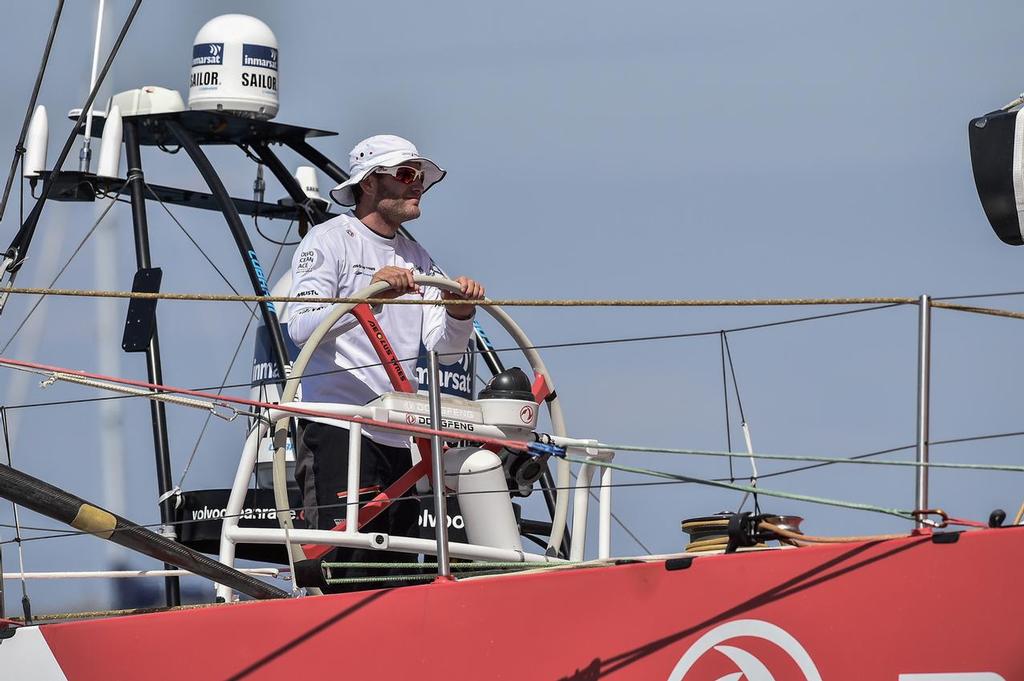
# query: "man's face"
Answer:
x=398 y=202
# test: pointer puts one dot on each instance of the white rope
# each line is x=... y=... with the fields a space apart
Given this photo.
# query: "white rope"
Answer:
x=276 y=573
x=139 y=392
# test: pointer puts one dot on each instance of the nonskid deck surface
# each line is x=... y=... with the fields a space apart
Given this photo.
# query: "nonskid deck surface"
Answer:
x=848 y=611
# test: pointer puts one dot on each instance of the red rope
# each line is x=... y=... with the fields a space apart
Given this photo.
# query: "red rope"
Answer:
x=407 y=428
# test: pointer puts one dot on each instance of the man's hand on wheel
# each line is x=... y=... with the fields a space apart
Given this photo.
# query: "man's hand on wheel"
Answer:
x=471 y=290
x=400 y=279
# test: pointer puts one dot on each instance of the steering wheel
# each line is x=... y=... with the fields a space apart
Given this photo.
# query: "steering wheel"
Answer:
x=401 y=383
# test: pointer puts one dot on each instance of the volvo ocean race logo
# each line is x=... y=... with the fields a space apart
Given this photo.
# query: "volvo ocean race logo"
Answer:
x=748 y=666
x=208 y=54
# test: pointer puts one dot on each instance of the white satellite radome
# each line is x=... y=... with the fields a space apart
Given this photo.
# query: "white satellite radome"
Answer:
x=35 y=143
x=234 y=67
x=110 y=145
x=143 y=101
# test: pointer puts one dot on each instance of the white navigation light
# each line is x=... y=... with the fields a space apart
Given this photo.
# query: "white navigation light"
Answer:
x=110 y=145
x=234 y=67
x=35 y=143
x=306 y=175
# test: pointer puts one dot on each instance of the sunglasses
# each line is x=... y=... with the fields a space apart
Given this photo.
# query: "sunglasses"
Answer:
x=404 y=174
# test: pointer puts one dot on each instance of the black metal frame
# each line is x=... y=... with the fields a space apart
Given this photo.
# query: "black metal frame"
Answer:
x=234 y=220
x=158 y=414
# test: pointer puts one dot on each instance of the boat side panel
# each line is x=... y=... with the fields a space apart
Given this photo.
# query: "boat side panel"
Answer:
x=26 y=655
x=854 y=611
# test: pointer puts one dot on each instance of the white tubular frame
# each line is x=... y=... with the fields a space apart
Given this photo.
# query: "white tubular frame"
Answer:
x=581 y=497
x=580 y=508
x=563 y=477
x=604 y=527
x=232 y=534
x=355 y=449
x=378 y=540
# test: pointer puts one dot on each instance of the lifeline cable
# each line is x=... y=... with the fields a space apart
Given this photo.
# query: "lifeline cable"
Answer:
x=825 y=461
x=171 y=394
x=503 y=442
x=861 y=459
x=543 y=346
x=538 y=302
x=542 y=302
x=59 y=533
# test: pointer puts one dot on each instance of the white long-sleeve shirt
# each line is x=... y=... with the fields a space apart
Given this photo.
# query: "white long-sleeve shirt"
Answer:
x=335 y=259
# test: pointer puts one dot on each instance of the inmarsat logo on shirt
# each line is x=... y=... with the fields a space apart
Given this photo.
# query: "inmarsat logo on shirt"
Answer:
x=309 y=260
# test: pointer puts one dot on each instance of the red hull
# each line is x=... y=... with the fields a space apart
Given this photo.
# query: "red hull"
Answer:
x=885 y=610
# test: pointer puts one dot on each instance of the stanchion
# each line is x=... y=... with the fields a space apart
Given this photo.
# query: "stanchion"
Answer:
x=444 y=569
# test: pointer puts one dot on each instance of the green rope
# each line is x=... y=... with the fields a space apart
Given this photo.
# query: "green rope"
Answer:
x=906 y=515
x=383 y=578
x=504 y=565
x=456 y=566
x=824 y=459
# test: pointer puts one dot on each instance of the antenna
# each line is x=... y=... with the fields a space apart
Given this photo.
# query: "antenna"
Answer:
x=85 y=155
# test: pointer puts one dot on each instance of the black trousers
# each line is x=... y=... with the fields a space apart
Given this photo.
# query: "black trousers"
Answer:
x=321 y=471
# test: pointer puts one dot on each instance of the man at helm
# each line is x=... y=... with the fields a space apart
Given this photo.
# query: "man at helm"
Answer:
x=337 y=258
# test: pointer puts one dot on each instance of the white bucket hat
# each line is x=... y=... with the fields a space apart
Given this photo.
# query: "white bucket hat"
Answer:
x=383 y=151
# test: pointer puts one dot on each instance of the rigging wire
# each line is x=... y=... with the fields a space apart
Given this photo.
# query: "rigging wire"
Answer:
x=607 y=341
x=1006 y=468
x=59 y=533
x=981 y=295
x=169 y=393
x=67 y=264
x=725 y=394
x=745 y=427
x=671 y=480
x=543 y=346
x=19 y=148
x=196 y=244
x=825 y=501
x=24 y=236
x=231 y=365
x=26 y=604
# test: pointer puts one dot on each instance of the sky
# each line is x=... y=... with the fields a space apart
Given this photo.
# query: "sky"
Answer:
x=595 y=150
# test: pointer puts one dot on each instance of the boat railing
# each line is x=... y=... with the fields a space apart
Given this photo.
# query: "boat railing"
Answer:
x=351 y=536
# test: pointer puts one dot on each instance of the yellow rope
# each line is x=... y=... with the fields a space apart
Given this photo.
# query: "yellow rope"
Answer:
x=979 y=310
x=542 y=302
x=720 y=541
x=811 y=539
x=539 y=302
x=95 y=614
